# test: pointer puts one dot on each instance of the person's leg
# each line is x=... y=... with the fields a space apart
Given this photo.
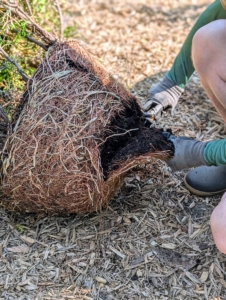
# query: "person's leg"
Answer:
x=209 y=59
x=218 y=224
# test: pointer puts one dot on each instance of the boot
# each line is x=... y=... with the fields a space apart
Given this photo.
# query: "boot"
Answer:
x=206 y=181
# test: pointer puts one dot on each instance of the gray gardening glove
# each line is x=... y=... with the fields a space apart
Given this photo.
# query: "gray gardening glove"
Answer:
x=188 y=153
x=161 y=96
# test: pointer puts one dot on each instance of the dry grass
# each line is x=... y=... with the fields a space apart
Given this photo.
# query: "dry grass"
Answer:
x=154 y=241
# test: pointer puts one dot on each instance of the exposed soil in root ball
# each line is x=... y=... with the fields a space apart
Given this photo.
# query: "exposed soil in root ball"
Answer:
x=146 y=140
x=139 y=139
x=76 y=134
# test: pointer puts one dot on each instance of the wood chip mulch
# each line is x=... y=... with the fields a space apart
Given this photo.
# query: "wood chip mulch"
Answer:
x=154 y=240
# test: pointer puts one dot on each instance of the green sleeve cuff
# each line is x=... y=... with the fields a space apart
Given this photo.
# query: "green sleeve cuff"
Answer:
x=215 y=153
x=182 y=68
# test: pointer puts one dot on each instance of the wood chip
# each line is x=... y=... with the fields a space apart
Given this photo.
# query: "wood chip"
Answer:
x=19 y=249
x=168 y=246
x=174 y=258
x=204 y=276
x=101 y=280
x=153 y=213
x=117 y=252
x=27 y=239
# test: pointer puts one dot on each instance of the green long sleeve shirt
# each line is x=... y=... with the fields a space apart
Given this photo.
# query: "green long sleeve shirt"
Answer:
x=182 y=69
x=214 y=153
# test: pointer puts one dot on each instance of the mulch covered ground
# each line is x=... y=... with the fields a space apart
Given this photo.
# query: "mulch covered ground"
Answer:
x=154 y=240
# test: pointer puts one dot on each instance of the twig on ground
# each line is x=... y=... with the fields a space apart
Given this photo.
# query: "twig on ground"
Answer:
x=35 y=28
x=31 y=39
x=23 y=75
x=61 y=19
x=29 y=7
x=3 y=115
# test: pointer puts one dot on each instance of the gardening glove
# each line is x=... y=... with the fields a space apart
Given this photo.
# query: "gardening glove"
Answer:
x=188 y=153
x=163 y=95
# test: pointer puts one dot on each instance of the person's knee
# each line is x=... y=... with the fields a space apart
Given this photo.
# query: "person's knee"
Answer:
x=218 y=225
x=206 y=44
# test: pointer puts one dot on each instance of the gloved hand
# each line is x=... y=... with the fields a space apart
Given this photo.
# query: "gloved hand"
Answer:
x=188 y=153
x=161 y=96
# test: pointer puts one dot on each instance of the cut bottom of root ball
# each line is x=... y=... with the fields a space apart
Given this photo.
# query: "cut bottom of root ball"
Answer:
x=142 y=139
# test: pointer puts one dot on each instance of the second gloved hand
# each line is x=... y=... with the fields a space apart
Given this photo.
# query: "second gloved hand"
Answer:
x=188 y=153
x=161 y=96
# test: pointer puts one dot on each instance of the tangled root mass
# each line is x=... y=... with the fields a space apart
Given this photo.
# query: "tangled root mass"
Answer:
x=76 y=135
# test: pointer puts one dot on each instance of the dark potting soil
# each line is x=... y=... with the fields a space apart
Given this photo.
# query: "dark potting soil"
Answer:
x=132 y=136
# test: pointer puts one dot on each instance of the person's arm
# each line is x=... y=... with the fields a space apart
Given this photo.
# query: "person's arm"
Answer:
x=214 y=153
x=189 y=153
x=182 y=68
x=167 y=93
